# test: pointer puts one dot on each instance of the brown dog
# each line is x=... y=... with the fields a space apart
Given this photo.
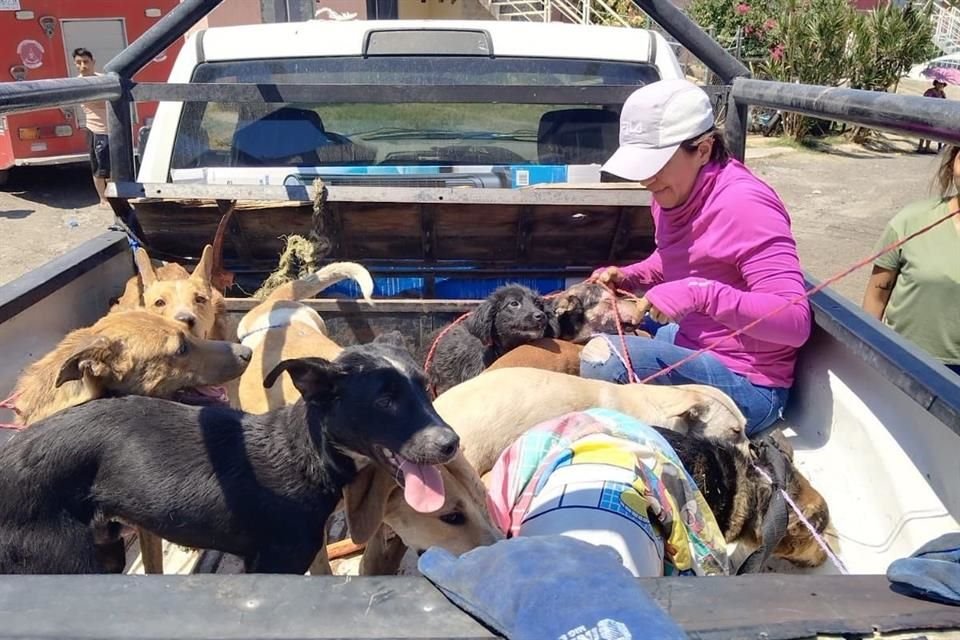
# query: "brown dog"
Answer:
x=739 y=496
x=124 y=353
x=463 y=523
x=281 y=328
x=171 y=291
x=588 y=307
x=549 y=354
x=131 y=352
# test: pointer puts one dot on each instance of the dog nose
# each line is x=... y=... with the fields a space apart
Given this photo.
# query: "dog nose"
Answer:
x=538 y=315
x=449 y=448
x=242 y=352
x=435 y=444
x=186 y=317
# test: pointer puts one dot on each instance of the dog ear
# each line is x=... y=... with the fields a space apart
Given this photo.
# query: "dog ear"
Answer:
x=204 y=269
x=147 y=275
x=219 y=330
x=480 y=322
x=365 y=502
x=311 y=376
x=92 y=356
x=564 y=303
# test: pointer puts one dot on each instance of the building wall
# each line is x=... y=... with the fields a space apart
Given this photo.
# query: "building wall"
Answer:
x=442 y=10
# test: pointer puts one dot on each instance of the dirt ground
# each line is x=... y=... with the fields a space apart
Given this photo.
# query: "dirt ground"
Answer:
x=839 y=200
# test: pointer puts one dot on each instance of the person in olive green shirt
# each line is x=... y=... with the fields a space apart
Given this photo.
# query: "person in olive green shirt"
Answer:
x=915 y=289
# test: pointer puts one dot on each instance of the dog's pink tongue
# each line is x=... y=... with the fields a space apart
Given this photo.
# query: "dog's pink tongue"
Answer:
x=422 y=486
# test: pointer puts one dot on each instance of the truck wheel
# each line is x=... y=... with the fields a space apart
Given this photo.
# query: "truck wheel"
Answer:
x=4 y=176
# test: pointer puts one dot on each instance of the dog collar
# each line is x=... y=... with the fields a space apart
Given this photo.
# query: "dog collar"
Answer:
x=261 y=330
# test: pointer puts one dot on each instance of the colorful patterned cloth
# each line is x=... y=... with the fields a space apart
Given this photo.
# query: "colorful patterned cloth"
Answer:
x=609 y=479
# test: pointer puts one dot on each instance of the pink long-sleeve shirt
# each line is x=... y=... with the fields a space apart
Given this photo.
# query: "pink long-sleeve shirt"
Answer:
x=725 y=258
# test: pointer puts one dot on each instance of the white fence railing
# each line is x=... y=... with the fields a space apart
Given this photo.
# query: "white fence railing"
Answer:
x=576 y=11
x=946 y=32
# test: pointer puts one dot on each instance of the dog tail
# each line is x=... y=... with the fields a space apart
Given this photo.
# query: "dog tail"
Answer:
x=327 y=276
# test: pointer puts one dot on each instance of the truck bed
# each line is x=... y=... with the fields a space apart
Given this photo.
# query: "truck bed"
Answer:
x=874 y=423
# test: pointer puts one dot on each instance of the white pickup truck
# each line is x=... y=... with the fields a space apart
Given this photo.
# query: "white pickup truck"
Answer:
x=460 y=155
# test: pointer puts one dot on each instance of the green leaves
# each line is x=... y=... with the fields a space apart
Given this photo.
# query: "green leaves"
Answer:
x=823 y=42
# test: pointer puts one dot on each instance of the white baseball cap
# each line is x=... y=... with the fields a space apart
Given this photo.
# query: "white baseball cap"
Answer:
x=654 y=121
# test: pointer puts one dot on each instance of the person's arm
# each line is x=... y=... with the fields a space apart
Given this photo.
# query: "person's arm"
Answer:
x=879 y=288
x=645 y=273
x=758 y=236
x=886 y=270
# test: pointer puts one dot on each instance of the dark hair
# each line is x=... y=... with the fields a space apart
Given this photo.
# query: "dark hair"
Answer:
x=80 y=52
x=720 y=153
x=945 y=177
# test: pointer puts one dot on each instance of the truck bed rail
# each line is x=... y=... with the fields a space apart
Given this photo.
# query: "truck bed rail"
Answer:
x=267 y=606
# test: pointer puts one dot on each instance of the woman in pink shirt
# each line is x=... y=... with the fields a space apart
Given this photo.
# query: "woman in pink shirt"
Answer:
x=725 y=257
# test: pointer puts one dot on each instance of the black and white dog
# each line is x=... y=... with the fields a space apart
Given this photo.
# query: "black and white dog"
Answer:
x=257 y=486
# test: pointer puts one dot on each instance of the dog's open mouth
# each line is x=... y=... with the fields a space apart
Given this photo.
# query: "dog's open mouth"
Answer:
x=532 y=333
x=422 y=483
x=203 y=396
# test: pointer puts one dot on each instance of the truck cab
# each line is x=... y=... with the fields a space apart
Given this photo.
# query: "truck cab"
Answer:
x=448 y=139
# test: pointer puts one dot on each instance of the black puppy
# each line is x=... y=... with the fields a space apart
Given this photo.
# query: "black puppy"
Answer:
x=510 y=316
x=257 y=486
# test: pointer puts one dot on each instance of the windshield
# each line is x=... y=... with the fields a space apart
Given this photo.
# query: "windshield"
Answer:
x=404 y=135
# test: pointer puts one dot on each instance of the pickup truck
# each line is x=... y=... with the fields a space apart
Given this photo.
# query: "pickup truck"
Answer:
x=456 y=156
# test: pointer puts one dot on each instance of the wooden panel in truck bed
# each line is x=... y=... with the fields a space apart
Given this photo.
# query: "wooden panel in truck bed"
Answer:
x=549 y=230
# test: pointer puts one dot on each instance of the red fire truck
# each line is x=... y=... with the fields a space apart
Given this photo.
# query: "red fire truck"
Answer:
x=39 y=37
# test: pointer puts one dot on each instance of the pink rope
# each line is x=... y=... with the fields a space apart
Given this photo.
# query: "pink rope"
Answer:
x=837 y=562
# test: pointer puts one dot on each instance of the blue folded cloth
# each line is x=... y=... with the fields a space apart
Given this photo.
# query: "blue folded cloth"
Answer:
x=932 y=572
x=549 y=587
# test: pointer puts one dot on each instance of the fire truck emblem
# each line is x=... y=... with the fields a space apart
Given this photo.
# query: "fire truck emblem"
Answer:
x=31 y=54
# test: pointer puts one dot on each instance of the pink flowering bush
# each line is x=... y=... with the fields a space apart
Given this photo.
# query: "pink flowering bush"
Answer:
x=755 y=19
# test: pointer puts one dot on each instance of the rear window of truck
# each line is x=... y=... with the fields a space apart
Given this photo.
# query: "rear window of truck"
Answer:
x=219 y=134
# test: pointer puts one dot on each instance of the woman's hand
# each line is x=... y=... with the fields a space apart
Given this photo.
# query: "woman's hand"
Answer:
x=645 y=306
x=610 y=276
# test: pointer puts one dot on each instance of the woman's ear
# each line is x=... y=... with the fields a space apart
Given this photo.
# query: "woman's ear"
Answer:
x=704 y=151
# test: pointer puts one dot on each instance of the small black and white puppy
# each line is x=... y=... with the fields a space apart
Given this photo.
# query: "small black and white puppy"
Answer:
x=510 y=316
x=257 y=486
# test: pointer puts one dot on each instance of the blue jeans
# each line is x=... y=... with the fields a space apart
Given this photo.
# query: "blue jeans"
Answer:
x=762 y=406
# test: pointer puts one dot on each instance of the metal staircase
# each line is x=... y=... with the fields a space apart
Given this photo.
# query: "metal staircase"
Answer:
x=575 y=11
x=946 y=33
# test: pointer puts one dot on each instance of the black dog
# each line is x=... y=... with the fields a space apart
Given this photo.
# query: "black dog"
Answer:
x=510 y=316
x=257 y=486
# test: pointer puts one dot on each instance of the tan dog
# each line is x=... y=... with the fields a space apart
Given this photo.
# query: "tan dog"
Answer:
x=125 y=353
x=171 y=291
x=281 y=328
x=549 y=354
x=374 y=498
x=132 y=352
x=490 y=411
